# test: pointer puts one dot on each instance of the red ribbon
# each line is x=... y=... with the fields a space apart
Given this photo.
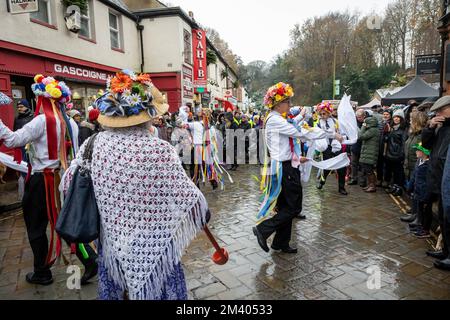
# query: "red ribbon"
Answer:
x=52 y=213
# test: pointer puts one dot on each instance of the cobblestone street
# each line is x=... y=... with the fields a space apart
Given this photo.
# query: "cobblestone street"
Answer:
x=341 y=238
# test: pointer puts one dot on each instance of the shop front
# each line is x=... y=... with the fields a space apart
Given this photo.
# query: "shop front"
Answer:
x=19 y=65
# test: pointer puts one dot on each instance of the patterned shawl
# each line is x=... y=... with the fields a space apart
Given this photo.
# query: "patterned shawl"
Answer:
x=150 y=210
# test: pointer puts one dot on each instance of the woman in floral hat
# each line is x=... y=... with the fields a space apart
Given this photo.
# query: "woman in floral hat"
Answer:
x=149 y=208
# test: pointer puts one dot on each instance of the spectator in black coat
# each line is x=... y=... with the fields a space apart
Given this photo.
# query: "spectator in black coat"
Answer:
x=356 y=152
x=24 y=116
x=421 y=196
x=436 y=137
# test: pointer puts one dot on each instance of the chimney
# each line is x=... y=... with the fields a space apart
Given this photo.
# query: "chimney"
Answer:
x=191 y=14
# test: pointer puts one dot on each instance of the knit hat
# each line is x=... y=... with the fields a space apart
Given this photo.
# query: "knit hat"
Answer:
x=130 y=99
x=72 y=113
x=421 y=148
x=277 y=94
x=399 y=113
x=93 y=115
x=24 y=103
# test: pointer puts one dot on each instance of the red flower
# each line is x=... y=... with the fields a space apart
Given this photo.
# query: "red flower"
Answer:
x=280 y=91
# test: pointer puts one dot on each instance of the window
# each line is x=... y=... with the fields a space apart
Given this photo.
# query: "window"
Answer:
x=187 y=47
x=86 y=24
x=44 y=13
x=114 y=31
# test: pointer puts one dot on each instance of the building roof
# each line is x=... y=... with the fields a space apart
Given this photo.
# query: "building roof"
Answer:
x=120 y=6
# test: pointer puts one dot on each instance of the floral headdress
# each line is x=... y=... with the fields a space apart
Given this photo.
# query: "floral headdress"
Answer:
x=325 y=106
x=127 y=94
x=278 y=93
x=50 y=88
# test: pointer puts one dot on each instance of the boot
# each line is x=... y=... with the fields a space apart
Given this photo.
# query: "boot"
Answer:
x=372 y=184
x=89 y=263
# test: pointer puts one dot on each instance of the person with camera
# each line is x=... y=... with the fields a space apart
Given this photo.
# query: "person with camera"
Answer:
x=436 y=137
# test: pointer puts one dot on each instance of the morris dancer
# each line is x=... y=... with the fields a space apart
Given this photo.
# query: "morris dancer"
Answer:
x=47 y=136
x=282 y=184
x=331 y=126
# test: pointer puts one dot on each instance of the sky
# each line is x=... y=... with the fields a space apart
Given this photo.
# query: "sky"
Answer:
x=259 y=29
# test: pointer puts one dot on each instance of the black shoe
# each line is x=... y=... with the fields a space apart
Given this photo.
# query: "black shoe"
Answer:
x=320 y=184
x=214 y=184
x=414 y=225
x=443 y=264
x=89 y=272
x=285 y=250
x=353 y=183
x=39 y=279
x=301 y=217
x=436 y=255
x=398 y=192
x=343 y=192
x=261 y=241
x=408 y=218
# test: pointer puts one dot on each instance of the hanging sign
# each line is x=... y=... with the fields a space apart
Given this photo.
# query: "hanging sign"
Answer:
x=200 y=65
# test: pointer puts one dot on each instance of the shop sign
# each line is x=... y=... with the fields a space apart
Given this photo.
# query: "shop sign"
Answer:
x=188 y=90
x=428 y=64
x=200 y=65
x=78 y=72
x=22 y=6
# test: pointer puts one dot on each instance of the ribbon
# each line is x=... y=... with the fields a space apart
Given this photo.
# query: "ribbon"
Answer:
x=50 y=179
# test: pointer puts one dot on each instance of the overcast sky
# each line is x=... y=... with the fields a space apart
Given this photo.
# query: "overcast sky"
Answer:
x=259 y=29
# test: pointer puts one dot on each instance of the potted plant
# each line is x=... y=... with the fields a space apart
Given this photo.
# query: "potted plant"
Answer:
x=211 y=57
x=224 y=74
x=82 y=4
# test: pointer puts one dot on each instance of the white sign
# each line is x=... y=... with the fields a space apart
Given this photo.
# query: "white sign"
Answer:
x=17 y=94
x=228 y=93
x=22 y=6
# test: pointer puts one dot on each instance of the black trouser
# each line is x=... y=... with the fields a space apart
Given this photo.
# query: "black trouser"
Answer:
x=425 y=211
x=356 y=168
x=34 y=206
x=328 y=154
x=289 y=205
x=380 y=165
x=444 y=223
x=394 y=168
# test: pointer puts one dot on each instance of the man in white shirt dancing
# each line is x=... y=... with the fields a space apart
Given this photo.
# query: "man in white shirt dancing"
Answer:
x=288 y=199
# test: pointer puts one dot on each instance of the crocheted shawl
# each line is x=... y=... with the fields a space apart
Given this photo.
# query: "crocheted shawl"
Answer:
x=150 y=210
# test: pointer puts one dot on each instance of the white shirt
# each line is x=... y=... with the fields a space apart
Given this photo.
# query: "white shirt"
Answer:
x=34 y=132
x=197 y=131
x=278 y=132
x=75 y=132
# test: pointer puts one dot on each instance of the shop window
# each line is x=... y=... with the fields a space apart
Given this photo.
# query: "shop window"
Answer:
x=187 y=47
x=115 y=31
x=87 y=23
x=44 y=14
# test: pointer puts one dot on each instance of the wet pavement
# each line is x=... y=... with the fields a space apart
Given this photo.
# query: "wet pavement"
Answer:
x=351 y=247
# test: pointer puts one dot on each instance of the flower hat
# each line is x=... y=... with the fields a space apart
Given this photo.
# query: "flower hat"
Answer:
x=277 y=94
x=130 y=99
x=50 y=88
x=325 y=106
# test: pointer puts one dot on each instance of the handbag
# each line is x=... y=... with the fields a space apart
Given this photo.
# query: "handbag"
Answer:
x=79 y=221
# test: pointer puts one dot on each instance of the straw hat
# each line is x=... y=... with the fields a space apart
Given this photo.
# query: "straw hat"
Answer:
x=131 y=99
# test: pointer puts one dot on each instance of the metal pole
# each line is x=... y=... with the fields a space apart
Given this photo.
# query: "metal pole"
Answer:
x=334 y=73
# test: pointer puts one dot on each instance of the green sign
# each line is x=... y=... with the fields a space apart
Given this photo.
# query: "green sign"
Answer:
x=200 y=90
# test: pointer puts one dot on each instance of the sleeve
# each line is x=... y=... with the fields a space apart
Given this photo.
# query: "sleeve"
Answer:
x=427 y=138
x=281 y=126
x=366 y=134
x=30 y=132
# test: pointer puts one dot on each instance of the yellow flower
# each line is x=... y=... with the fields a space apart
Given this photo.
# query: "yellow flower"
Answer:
x=278 y=98
x=55 y=93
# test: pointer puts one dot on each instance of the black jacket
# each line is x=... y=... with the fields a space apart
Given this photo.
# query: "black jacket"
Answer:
x=419 y=182
x=22 y=120
x=396 y=145
x=356 y=148
x=436 y=140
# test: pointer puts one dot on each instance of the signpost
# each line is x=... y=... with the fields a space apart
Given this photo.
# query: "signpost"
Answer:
x=22 y=6
x=428 y=64
x=200 y=63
